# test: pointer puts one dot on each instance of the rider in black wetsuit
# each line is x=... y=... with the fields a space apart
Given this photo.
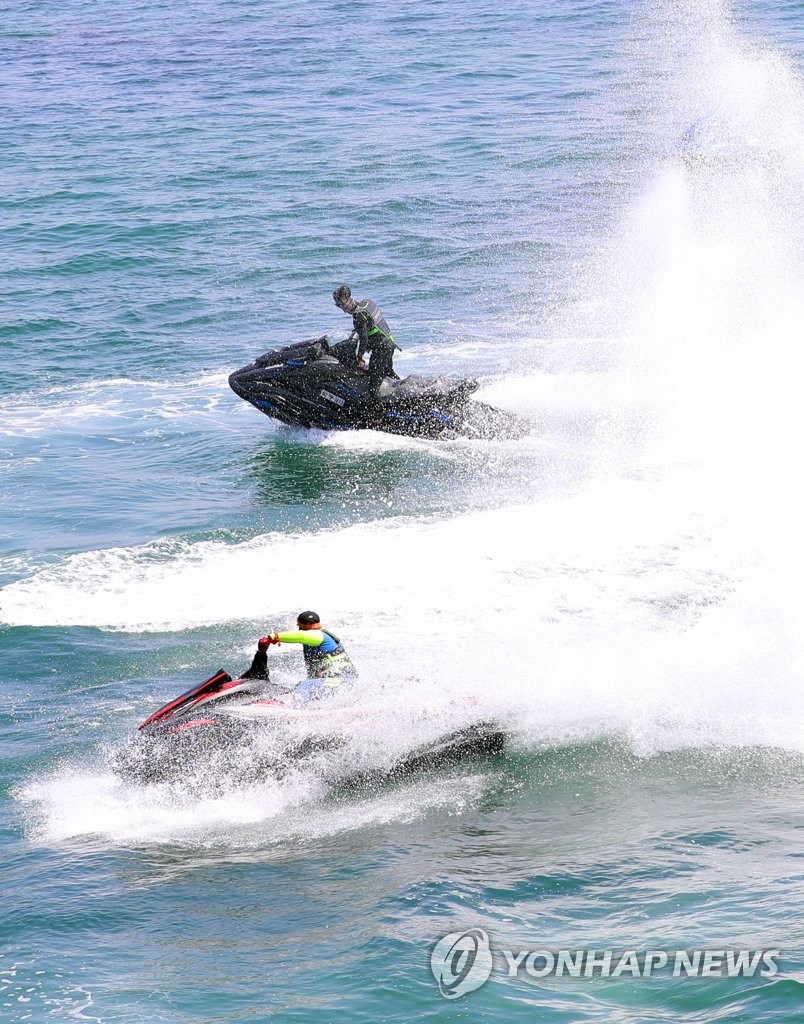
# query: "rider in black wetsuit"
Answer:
x=373 y=334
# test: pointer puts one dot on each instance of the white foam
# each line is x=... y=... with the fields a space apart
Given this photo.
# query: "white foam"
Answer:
x=74 y=803
x=101 y=406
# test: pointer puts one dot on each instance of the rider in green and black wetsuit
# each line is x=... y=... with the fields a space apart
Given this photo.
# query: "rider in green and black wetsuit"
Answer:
x=325 y=658
x=373 y=333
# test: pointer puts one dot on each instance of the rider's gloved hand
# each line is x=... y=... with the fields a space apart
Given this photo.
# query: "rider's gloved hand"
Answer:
x=265 y=642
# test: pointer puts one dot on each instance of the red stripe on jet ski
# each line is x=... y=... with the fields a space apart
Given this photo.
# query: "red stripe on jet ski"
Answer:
x=203 y=688
x=190 y=725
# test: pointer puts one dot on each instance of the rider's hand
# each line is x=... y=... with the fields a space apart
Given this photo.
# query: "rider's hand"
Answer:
x=265 y=642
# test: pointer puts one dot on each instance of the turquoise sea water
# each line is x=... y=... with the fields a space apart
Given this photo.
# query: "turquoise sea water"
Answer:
x=595 y=207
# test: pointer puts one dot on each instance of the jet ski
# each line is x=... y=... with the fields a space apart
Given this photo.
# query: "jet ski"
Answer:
x=228 y=731
x=320 y=385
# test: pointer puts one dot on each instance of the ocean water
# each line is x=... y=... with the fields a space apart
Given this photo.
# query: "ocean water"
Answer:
x=597 y=208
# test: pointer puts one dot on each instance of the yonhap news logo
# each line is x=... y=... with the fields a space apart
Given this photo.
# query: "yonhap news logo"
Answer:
x=462 y=962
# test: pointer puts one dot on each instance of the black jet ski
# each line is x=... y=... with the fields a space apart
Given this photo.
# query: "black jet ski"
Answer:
x=233 y=731
x=322 y=385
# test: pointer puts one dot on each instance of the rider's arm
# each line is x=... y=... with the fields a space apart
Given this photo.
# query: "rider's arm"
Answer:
x=362 y=328
x=308 y=637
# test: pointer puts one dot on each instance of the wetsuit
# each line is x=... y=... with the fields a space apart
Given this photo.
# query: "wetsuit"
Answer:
x=325 y=658
x=375 y=337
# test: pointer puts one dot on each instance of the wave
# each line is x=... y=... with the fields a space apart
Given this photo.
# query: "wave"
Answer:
x=100 y=406
x=85 y=800
x=629 y=607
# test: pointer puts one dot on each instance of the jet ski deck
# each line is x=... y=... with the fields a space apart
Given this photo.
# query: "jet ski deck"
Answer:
x=319 y=385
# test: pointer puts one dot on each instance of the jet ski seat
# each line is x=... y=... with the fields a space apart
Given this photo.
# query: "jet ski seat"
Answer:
x=415 y=386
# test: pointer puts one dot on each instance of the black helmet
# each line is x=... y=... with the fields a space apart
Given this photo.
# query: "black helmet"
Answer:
x=342 y=294
x=307 y=619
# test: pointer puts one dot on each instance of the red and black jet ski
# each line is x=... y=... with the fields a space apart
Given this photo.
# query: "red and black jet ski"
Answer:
x=322 y=385
x=239 y=730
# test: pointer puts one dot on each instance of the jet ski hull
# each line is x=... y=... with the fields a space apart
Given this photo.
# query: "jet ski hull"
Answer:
x=213 y=737
x=318 y=385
